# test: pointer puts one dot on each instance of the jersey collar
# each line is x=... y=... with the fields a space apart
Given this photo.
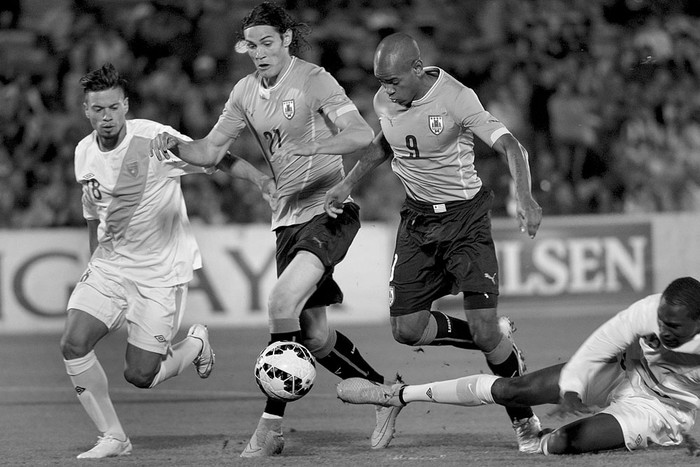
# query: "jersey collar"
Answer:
x=432 y=88
x=265 y=92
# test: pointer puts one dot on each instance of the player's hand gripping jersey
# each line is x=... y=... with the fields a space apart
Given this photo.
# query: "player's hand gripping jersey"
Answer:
x=144 y=233
x=302 y=106
x=433 y=139
x=670 y=375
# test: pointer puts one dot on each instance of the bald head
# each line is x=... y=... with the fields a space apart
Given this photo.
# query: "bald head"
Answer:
x=396 y=53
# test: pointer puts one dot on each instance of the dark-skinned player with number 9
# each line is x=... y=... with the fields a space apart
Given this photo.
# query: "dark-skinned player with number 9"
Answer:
x=444 y=243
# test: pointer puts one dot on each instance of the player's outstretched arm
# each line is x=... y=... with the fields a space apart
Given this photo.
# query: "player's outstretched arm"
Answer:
x=241 y=169
x=354 y=134
x=529 y=212
x=373 y=156
x=206 y=152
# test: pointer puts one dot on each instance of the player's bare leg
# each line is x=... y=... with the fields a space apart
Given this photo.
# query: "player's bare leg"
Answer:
x=482 y=330
x=601 y=432
x=539 y=387
x=597 y=433
x=293 y=288
x=505 y=359
x=81 y=334
x=335 y=352
x=535 y=388
x=194 y=349
x=426 y=327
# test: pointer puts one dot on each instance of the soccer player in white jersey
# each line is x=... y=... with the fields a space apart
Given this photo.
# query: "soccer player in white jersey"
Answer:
x=444 y=243
x=143 y=256
x=640 y=370
x=304 y=122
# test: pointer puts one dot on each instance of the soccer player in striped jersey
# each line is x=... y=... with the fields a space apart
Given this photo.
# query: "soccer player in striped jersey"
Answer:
x=143 y=256
x=638 y=374
x=444 y=243
x=304 y=122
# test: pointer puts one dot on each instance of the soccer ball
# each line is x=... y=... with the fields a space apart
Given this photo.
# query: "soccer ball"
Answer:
x=285 y=371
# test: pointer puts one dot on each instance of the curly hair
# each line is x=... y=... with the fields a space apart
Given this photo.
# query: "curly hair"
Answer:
x=105 y=77
x=684 y=292
x=271 y=14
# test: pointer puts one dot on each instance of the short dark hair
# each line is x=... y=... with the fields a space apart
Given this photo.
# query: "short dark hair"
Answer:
x=685 y=292
x=271 y=14
x=105 y=77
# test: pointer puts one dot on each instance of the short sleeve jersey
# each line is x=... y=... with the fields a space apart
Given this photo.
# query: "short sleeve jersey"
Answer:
x=302 y=106
x=144 y=232
x=433 y=139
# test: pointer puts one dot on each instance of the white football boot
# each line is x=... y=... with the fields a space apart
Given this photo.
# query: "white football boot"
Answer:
x=107 y=446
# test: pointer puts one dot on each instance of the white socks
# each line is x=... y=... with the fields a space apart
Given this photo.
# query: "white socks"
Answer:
x=468 y=391
x=90 y=382
x=179 y=357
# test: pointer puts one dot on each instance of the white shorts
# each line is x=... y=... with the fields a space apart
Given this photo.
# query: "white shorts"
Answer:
x=643 y=417
x=153 y=314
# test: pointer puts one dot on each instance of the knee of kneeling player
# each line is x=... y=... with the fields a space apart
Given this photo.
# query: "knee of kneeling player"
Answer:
x=139 y=378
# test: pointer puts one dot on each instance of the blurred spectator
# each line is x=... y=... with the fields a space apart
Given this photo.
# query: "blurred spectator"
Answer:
x=10 y=10
x=604 y=92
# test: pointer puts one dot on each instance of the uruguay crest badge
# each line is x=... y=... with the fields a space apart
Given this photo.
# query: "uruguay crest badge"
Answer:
x=288 y=109
x=435 y=124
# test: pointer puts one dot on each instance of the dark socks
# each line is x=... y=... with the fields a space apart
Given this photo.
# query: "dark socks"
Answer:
x=345 y=361
x=508 y=369
x=452 y=331
x=275 y=406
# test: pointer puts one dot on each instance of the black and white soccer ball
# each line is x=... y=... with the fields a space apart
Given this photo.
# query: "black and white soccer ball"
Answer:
x=285 y=371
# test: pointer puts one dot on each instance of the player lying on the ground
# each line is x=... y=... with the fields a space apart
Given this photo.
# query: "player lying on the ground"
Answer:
x=642 y=367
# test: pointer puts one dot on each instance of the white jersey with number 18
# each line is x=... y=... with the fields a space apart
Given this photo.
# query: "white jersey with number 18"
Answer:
x=144 y=232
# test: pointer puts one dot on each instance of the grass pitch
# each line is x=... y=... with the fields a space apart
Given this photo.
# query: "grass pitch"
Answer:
x=192 y=422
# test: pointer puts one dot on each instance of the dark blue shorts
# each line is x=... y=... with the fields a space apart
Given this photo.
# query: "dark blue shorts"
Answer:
x=442 y=253
x=327 y=238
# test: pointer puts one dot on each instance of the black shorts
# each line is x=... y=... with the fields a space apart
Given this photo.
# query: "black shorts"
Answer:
x=327 y=238
x=442 y=253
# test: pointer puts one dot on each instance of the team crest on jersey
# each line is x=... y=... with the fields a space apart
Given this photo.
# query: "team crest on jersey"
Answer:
x=133 y=168
x=288 y=109
x=435 y=124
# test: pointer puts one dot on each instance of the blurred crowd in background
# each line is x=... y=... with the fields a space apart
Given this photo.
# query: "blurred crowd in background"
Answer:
x=602 y=93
